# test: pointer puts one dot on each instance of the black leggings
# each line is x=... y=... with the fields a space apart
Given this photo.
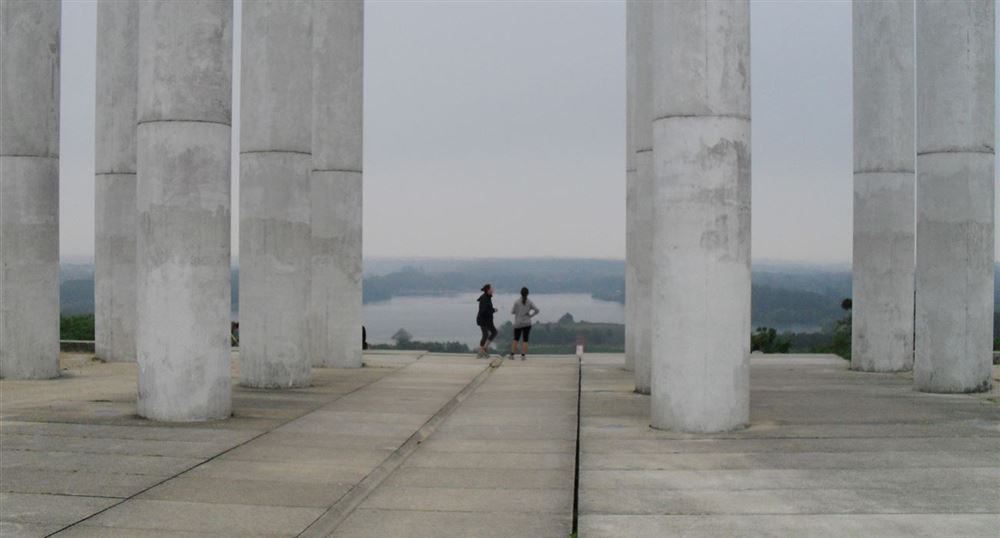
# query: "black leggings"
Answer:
x=489 y=333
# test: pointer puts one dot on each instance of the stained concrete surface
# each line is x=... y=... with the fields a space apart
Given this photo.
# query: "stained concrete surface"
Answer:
x=501 y=465
x=830 y=452
x=74 y=446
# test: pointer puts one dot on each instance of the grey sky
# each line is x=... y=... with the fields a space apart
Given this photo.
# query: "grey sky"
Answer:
x=497 y=129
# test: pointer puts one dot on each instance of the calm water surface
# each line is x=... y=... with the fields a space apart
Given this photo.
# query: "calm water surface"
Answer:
x=453 y=317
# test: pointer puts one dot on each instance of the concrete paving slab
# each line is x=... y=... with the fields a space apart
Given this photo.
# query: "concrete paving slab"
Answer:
x=162 y=466
x=88 y=484
x=278 y=471
x=101 y=431
x=829 y=452
x=547 y=501
x=420 y=524
x=216 y=490
x=308 y=455
x=788 y=501
x=366 y=429
x=960 y=445
x=26 y=530
x=434 y=491
x=326 y=440
x=133 y=447
x=493 y=446
x=87 y=531
x=890 y=459
x=502 y=432
x=747 y=479
x=206 y=517
x=293 y=476
x=478 y=478
x=493 y=460
x=804 y=526
x=48 y=510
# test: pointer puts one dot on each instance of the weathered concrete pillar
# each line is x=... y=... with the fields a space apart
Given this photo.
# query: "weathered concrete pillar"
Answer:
x=955 y=195
x=29 y=189
x=114 y=181
x=882 y=335
x=631 y=283
x=335 y=309
x=185 y=65
x=642 y=138
x=275 y=161
x=701 y=216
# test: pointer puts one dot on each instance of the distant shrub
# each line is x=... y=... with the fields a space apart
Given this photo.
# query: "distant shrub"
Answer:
x=76 y=327
x=766 y=340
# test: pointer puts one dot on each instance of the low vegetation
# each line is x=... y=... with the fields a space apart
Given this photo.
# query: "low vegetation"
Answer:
x=76 y=327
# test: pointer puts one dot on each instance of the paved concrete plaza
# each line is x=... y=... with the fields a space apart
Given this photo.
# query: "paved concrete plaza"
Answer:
x=444 y=445
x=829 y=452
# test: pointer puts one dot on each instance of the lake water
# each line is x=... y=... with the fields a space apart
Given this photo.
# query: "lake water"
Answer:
x=453 y=317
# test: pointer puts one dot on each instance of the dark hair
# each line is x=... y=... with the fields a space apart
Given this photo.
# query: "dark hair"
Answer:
x=524 y=295
x=485 y=287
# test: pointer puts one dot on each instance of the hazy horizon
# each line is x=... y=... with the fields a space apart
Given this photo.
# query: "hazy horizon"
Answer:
x=496 y=130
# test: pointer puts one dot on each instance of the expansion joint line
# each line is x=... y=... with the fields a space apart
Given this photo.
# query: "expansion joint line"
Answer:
x=287 y=151
x=328 y=522
x=179 y=120
x=576 y=467
x=338 y=170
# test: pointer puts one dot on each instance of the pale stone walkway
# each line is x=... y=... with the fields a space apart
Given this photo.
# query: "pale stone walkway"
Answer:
x=446 y=446
x=830 y=453
x=502 y=465
x=77 y=450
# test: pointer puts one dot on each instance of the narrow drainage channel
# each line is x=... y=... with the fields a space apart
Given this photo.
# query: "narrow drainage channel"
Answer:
x=576 y=470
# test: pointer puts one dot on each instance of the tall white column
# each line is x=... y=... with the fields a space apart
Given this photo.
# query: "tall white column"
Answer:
x=642 y=139
x=183 y=197
x=29 y=189
x=114 y=181
x=955 y=195
x=882 y=335
x=701 y=216
x=275 y=161
x=631 y=283
x=335 y=309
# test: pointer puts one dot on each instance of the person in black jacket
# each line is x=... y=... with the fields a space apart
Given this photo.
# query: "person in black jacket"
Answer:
x=485 y=320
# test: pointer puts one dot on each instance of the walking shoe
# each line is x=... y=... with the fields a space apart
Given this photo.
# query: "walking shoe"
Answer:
x=522 y=357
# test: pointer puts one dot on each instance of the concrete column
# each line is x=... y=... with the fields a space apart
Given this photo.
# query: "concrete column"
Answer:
x=183 y=193
x=882 y=335
x=29 y=189
x=114 y=181
x=275 y=161
x=701 y=216
x=955 y=195
x=335 y=309
x=642 y=138
x=631 y=283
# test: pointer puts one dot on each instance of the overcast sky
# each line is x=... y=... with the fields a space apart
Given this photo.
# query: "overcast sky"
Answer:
x=496 y=129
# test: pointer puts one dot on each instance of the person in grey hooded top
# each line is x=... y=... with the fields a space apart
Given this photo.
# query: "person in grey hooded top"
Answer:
x=523 y=311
